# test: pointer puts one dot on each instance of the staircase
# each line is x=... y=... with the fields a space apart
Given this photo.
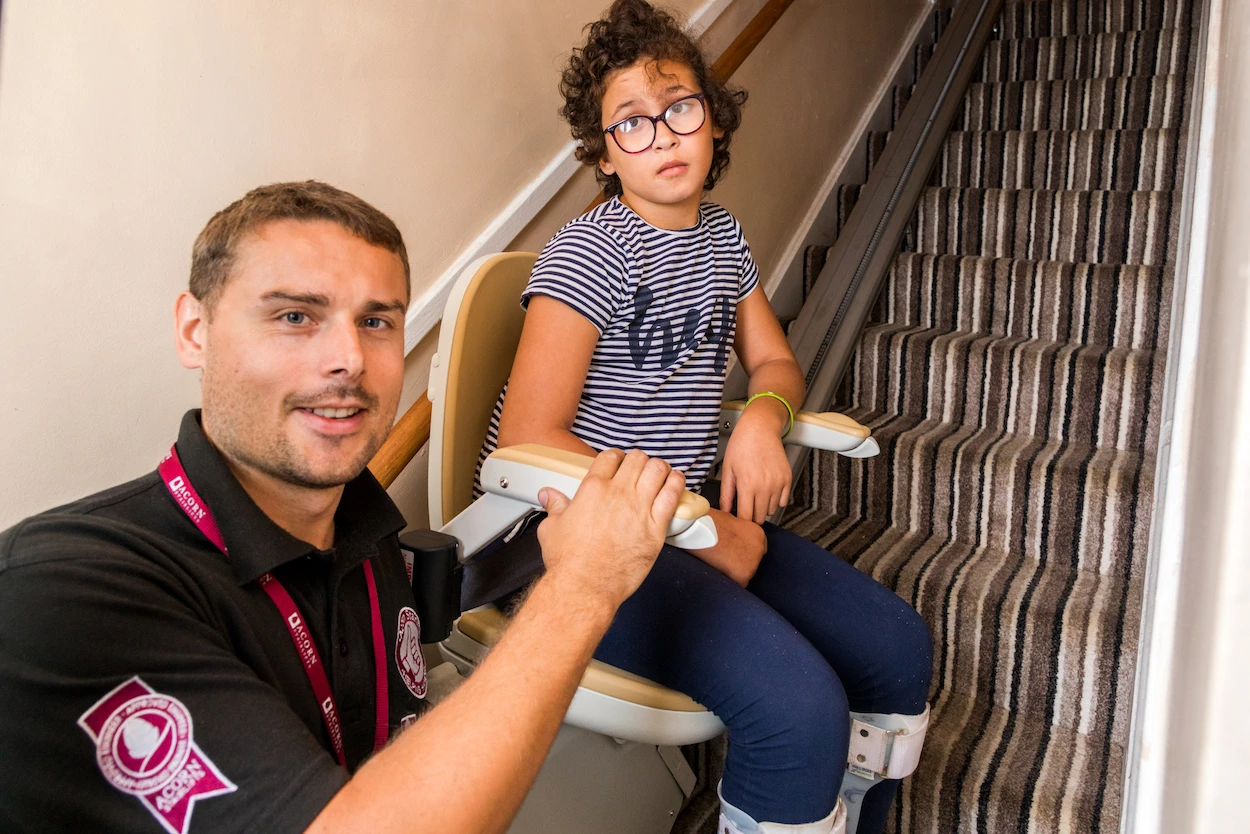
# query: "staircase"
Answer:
x=1012 y=373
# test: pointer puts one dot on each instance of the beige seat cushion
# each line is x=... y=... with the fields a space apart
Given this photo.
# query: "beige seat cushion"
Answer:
x=486 y=625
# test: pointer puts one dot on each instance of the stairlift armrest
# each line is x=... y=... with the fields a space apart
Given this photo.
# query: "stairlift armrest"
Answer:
x=518 y=473
x=816 y=430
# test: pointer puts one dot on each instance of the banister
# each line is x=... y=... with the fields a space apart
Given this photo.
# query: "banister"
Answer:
x=410 y=433
x=749 y=38
x=412 y=430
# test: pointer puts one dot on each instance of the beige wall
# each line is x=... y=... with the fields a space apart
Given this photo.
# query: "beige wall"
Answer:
x=124 y=126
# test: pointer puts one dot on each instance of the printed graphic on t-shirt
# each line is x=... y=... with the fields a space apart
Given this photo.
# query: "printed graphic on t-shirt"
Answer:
x=657 y=339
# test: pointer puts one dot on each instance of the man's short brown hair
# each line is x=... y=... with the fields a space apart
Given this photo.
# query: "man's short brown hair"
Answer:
x=213 y=254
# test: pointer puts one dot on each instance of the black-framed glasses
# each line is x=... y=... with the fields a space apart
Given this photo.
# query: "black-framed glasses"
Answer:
x=637 y=133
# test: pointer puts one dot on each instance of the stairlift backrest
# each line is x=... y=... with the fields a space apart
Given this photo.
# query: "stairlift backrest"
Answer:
x=480 y=332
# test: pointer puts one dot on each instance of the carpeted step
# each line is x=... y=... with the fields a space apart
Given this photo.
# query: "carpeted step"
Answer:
x=876 y=142
x=1108 y=227
x=1052 y=390
x=987 y=608
x=1064 y=504
x=1082 y=304
x=1138 y=103
x=1104 y=55
x=921 y=54
x=848 y=196
x=1078 y=160
x=900 y=94
x=988 y=769
x=1089 y=17
x=940 y=20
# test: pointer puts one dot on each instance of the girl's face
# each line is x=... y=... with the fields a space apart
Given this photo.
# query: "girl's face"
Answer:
x=662 y=182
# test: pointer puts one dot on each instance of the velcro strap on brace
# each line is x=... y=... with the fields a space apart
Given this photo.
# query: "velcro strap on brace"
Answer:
x=886 y=746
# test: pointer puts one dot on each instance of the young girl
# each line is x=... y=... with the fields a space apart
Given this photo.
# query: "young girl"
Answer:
x=631 y=311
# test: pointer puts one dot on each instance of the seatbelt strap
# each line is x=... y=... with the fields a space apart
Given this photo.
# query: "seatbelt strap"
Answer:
x=504 y=566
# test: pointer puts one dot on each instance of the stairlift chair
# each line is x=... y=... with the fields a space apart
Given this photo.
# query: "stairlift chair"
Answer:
x=616 y=766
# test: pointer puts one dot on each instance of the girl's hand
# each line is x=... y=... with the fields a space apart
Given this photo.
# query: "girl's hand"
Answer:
x=739 y=547
x=756 y=470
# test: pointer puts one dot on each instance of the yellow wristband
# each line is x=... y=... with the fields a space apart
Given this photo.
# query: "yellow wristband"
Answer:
x=780 y=399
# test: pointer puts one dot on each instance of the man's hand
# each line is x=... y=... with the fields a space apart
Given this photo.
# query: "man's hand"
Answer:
x=606 y=539
x=739 y=547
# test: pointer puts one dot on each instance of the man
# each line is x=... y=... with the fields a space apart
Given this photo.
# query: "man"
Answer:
x=223 y=636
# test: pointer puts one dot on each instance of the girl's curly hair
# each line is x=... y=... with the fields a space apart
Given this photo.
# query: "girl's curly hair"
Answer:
x=634 y=29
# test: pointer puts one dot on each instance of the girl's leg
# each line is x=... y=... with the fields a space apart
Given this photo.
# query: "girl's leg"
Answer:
x=691 y=628
x=877 y=644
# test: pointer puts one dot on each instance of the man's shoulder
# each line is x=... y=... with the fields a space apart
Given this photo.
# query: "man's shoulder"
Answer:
x=99 y=523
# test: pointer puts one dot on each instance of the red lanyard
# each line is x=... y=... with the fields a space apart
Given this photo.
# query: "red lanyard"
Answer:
x=179 y=485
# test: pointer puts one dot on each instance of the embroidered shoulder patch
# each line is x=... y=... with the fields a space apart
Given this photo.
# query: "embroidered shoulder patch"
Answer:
x=408 y=655
x=144 y=747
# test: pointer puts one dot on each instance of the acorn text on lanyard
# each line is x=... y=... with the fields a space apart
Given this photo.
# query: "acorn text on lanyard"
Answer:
x=175 y=478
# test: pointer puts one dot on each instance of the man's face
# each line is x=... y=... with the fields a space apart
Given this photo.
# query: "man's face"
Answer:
x=303 y=353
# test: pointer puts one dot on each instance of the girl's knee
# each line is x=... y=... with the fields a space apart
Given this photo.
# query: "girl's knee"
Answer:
x=803 y=712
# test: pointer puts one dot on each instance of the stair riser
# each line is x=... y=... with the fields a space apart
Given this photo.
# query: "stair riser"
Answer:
x=1088 y=17
x=1088 y=56
x=1108 y=227
x=1122 y=160
x=1008 y=385
x=1087 y=304
x=1095 y=104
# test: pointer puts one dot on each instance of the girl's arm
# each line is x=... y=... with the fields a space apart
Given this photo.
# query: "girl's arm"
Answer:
x=550 y=368
x=756 y=471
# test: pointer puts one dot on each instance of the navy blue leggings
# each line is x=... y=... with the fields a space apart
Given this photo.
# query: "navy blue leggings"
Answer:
x=780 y=663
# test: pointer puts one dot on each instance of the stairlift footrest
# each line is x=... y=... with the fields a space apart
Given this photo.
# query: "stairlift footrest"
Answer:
x=886 y=745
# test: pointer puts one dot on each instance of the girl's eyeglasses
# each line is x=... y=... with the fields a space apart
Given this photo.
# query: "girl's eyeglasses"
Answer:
x=637 y=133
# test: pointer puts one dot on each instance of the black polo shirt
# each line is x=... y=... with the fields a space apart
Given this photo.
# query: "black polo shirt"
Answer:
x=143 y=675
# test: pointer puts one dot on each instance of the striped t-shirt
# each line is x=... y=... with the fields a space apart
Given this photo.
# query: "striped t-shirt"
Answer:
x=665 y=305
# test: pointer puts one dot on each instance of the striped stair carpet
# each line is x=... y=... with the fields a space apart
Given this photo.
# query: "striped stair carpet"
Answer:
x=1012 y=372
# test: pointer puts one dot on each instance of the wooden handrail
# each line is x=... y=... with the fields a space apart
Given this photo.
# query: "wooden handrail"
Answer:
x=412 y=431
x=733 y=56
x=406 y=439
x=749 y=38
